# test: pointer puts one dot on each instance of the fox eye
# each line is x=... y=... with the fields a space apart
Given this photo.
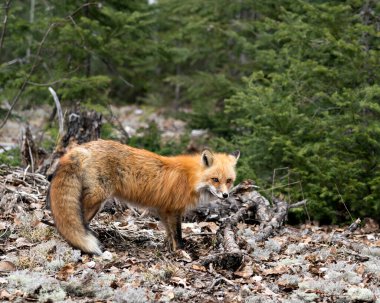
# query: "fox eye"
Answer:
x=229 y=180
x=216 y=180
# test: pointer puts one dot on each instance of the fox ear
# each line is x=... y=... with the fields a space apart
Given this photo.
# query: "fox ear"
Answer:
x=236 y=154
x=207 y=158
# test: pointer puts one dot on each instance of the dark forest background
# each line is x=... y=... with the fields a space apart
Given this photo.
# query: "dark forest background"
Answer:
x=295 y=85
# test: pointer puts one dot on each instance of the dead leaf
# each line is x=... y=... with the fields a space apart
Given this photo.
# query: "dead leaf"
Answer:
x=136 y=283
x=244 y=271
x=35 y=205
x=286 y=285
x=23 y=242
x=3 y=225
x=306 y=239
x=4 y=295
x=153 y=225
x=198 y=267
x=314 y=270
x=179 y=282
x=369 y=226
x=183 y=256
x=211 y=226
x=278 y=270
x=360 y=269
x=256 y=279
x=311 y=258
x=3 y=281
x=114 y=270
x=65 y=272
x=191 y=228
x=168 y=294
x=17 y=221
x=7 y=266
x=35 y=223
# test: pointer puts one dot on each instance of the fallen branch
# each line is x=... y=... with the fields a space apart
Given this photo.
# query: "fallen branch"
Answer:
x=280 y=212
x=298 y=204
x=59 y=110
x=354 y=226
x=229 y=242
x=251 y=205
x=219 y=278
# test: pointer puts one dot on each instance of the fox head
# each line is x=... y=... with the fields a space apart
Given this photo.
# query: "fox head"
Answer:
x=219 y=173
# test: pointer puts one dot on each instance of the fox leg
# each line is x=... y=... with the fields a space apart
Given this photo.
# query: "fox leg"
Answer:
x=91 y=205
x=172 y=222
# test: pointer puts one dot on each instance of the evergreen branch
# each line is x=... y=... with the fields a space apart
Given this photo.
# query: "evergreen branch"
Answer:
x=24 y=84
x=36 y=60
x=5 y=21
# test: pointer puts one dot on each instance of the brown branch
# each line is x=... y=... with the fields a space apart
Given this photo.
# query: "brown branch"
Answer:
x=5 y=21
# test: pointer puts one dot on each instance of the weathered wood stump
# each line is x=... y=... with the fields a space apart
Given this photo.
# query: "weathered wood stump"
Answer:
x=81 y=126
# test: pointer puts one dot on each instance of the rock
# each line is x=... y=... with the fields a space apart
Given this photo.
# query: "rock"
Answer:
x=360 y=294
x=107 y=256
x=91 y=264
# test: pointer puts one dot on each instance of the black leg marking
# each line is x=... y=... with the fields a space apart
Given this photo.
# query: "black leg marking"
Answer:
x=178 y=236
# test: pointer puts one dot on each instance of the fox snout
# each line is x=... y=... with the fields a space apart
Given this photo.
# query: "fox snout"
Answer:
x=224 y=191
x=219 y=193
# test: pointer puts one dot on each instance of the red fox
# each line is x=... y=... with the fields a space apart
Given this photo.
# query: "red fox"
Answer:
x=90 y=173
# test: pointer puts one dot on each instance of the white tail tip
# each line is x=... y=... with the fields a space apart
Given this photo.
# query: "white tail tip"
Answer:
x=91 y=245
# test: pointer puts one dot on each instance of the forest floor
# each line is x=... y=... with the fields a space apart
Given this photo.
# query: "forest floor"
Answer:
x=296 y=264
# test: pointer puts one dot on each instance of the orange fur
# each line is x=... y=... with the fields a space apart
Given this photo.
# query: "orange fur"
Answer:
x=90 y=173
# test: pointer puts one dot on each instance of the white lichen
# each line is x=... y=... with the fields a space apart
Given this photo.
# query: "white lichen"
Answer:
x=273 y=245
x=132 y=295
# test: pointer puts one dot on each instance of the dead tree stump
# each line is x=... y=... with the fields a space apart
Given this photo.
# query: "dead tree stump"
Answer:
x=81 y=126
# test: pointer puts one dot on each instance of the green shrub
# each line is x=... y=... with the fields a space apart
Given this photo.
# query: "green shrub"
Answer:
x=11 y=157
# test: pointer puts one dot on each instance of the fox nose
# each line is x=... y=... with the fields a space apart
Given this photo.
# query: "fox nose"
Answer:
x=225 y=195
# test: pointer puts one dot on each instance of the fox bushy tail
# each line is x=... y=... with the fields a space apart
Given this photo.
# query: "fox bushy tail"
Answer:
x=64 y=197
